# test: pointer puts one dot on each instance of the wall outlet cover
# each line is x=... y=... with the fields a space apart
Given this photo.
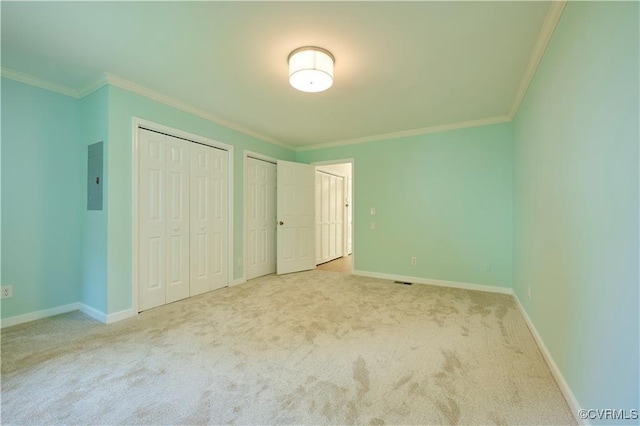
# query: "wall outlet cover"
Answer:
x=7 y=292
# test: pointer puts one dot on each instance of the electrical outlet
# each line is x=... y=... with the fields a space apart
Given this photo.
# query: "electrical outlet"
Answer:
x=7 y=292
x=414 y=260
x=529 y=293
x=373 y=225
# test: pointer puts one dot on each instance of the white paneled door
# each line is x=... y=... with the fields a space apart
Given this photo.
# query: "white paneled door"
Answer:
x=261 y=217
x=330 y=216
x=177 y=219
x=182 y=218
x=208 y=218
x=152 y=226
x=295 y=216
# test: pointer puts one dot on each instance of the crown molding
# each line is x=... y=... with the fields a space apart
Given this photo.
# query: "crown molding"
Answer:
x=406 y=133
x=37 y=82
x=89 y=89
x=551 y=21
x=130 y=86
x=548 y=27
x=120 y=82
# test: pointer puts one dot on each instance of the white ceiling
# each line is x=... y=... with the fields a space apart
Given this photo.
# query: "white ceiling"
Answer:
x=400 y=66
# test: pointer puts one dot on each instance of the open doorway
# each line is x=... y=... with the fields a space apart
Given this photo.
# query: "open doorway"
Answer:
x=334 y=215
x=334 y=241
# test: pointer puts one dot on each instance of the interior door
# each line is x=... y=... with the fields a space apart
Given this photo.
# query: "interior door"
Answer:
x=261 y=218
x=151 y=220
x=208 y=213
x=295 y=215
x=349 y=218
x=330 y=212
x=220 y=179
x=177 y=219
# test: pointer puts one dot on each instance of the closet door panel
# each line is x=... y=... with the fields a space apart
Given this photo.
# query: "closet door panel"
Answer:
x=340 y=213
x=152 y=239
x=318 y=206
x=261 y=218
x=325 y=217
x=177 y=219
x=219 y=178
x=201 y=215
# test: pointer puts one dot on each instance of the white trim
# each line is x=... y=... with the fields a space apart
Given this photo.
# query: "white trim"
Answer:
x=38 y=82
x=32 y=316
x=230 y=207
x=259 y=156
x=90 y=88
x=557 y=374
x=137 y=123
x=440 y=283
x=119 y=316
x=407 y=133
x=120 y=82
x=93 y=313
x=548 y=27
x=551 y=21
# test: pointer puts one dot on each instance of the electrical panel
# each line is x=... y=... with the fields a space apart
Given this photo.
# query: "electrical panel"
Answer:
x=94 y=176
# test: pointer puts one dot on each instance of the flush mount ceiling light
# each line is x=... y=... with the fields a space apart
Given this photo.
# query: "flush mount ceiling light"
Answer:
x=311 y=69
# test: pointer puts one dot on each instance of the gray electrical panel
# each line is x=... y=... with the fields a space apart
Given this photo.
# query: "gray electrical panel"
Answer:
x=94 y=176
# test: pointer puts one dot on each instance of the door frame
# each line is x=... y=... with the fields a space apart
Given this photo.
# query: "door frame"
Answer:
x=245 y=249
x=352 y=161
x=136 y=124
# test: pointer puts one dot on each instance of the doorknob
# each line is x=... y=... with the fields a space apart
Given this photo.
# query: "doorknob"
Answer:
x=176 y=229
x=281 y=223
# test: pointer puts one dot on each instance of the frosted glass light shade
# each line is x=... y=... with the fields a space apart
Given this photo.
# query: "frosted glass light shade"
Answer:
x=311 y=69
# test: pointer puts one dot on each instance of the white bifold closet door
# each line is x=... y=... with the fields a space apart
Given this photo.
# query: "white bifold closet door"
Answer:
x=261 y=218
x=330 y=212
x=208 y=218
x=182 y=219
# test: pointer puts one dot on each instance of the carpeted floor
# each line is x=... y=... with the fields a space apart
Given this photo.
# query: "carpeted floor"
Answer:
x=309 y=348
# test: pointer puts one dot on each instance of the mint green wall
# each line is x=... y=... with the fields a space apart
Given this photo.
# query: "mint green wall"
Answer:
x=576 y=202
x=123 y=105
x=94 y=223
x=444 y=198
x=42 y=195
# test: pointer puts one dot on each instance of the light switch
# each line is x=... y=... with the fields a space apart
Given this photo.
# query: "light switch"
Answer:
x=373 y=211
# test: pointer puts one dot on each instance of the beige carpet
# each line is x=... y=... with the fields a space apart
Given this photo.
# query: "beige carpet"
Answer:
x=309 y=348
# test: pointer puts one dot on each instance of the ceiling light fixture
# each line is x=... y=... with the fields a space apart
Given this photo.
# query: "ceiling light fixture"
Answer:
x=311 y=69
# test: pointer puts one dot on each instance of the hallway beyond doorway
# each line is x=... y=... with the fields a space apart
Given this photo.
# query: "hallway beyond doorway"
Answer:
x=342 y=264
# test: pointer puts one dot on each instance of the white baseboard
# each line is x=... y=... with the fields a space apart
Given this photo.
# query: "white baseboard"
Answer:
x=106 y=318
x=441 y=283
x=88 y=310
x=93 y=313
x=562 y=383
x=119 y=316
x=32 y=316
